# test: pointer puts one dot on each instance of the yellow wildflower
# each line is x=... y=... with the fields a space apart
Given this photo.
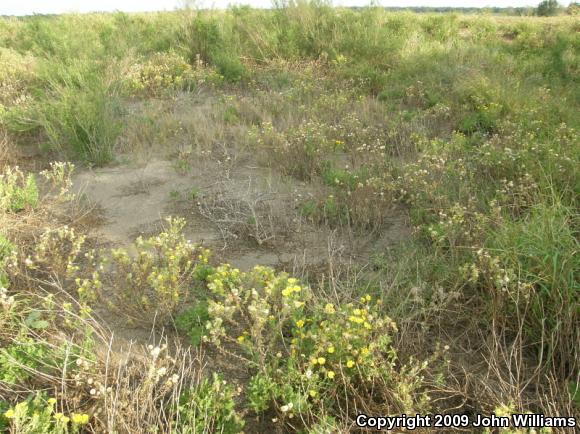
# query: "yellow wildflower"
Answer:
x=59 y=416
x=312 y=393
x=51 y=401
x=356 y=319
x=329 y=308
x=241 y=339
x=349 y=364
x=321 y=360
x=9 y=414
x=300 y=323
x=330 y=374
x=80 y=419
x=330 y=349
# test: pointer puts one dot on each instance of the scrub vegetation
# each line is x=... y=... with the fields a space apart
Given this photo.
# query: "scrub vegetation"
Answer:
x=447 y=143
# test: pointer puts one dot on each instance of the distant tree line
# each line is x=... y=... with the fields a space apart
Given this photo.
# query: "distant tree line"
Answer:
x=550 y=8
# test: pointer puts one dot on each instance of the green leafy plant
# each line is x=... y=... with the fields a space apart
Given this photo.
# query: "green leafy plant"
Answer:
x=192 y=321
x=156 y=279
x=37 y=415
x=17 y=190
x=308 y=355
x=208 y=407
x=18 y=358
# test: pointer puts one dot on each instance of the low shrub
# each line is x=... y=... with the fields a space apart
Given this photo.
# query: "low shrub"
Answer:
x=208 y=407
x=17 y=190
x=229 y=66
x=38 y=415
x=159 y=74
x=309 y=357
x=157 y=279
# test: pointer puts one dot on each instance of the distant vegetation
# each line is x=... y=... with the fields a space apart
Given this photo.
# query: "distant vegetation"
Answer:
x=467 y=124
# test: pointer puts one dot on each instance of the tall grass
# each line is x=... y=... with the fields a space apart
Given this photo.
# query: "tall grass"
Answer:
x=80 y=111
x=542 y=249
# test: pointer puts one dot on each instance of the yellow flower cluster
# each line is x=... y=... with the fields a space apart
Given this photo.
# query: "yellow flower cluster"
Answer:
x=324 y=342
x=289 y=290
x=39 y=416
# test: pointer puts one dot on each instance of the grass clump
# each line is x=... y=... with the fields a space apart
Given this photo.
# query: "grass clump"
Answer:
x=80 y=111
x=540 y=253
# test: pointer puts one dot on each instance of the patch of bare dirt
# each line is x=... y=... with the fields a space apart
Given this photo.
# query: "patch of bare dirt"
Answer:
x=246 y=215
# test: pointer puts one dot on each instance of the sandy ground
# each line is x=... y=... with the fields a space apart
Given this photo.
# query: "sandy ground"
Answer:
x=221 y=208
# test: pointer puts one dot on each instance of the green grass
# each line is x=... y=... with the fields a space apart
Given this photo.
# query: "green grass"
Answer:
x=542 y=251
x=79 y=111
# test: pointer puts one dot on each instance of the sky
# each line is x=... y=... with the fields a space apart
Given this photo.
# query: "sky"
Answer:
x=26 y=7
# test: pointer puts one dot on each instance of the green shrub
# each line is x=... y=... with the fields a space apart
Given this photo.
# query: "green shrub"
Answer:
x=309 y=357
x=201 y=39
x=548 y=8
x=208 y=408
x=17 y=190
x=229 y=66
x=37 y=415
